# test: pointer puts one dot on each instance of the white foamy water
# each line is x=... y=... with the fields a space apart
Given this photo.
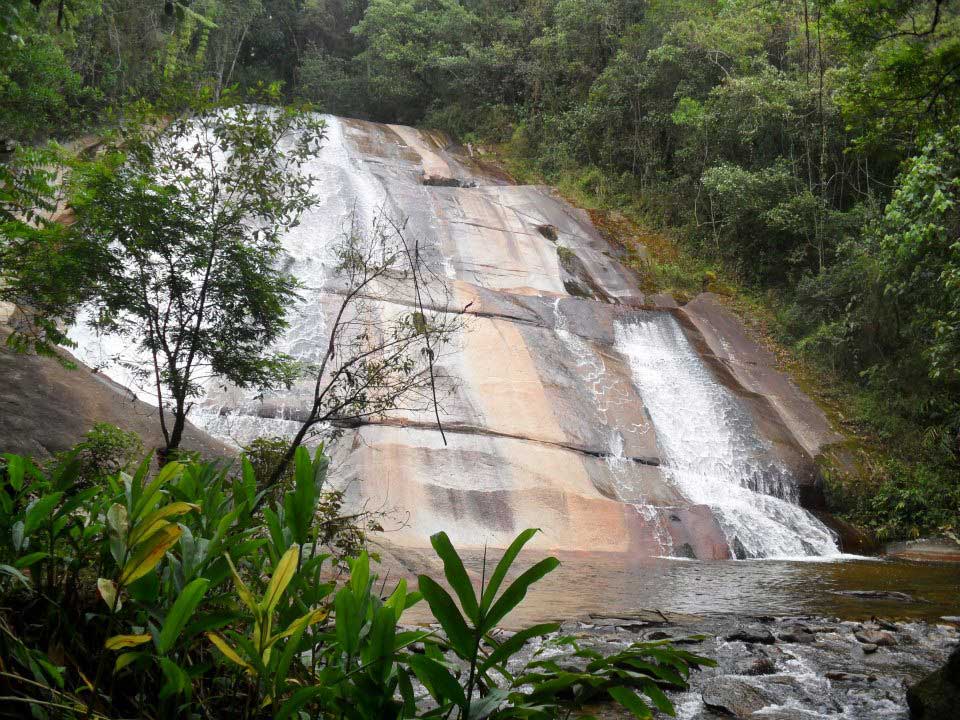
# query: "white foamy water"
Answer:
x=349 y=196
x=711 y=449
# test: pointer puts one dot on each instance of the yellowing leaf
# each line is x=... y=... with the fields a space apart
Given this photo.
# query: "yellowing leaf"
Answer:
x=151 y=493
x=149 y=553
x=228 y=651
x=108 y=591
x=282 y=575
x=121 y=642
x=242 y=590
x=300 y=623
x=144 y=532
x=117 y=520
x=155 y=520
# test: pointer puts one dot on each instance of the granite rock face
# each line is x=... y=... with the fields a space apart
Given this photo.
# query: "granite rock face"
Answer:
x=545 y=422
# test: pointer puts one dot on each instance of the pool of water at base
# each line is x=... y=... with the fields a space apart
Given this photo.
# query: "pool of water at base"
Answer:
x=612 y=585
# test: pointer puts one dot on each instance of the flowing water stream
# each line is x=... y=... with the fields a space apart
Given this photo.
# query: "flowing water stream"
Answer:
x=712 y=450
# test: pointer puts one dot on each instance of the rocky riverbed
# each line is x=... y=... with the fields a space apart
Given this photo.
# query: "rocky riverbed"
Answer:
x=790 y=668
x=781 y=668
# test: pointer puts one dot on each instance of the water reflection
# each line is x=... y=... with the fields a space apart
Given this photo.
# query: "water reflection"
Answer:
x=611 y=584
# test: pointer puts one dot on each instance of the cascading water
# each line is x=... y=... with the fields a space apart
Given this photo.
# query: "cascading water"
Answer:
x=711 y=449
x=348 y=195
x=594 y=374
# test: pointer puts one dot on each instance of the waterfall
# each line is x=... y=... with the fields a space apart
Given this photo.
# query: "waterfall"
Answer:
x=349 y=195
x=711 y=449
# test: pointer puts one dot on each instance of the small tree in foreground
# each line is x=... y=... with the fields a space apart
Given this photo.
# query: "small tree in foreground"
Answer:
x=180 y=229
x=391 y=319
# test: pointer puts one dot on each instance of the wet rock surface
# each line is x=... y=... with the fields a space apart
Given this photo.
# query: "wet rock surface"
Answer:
x=46 y=408
x=937 y=696
x=829 y=677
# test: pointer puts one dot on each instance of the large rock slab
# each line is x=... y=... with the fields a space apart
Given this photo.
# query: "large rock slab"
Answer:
x=484 y=489
x=937 y=696
x=546 y=422
x=46 y=408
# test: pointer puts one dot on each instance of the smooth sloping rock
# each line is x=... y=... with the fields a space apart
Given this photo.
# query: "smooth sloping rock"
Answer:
x=484 y=489
x=46 y=408
x=755 y=368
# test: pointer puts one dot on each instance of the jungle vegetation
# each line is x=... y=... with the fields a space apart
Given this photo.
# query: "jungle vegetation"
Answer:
x=798 y=155
x=204 y=591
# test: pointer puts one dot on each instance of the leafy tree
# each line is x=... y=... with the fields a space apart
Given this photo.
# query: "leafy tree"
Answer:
x=179 y=237
x=919 y=253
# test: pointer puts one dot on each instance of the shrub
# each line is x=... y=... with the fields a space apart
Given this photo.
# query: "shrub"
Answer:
x=169 y=595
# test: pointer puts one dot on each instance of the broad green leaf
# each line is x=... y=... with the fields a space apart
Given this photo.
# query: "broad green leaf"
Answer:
x=631 y=701
x=448 y=615
x=15 y=469
x=456 y=575
x=122 y=642
x=500 y=572
x=360 y=574
x=127 y=658
x=296 y=701
x=180 y=613
x=659 y=698
x=149 y=553
x=481 y=708
x=348 y=620
x=437 y=679
x=39 y=511
x=282 y=575
x=513 y=644
x=380 y=641
x=31 y=559
x=514 y=594
x=177 y=680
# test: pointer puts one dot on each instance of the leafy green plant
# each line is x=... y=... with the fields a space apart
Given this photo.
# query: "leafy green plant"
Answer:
x=175 y=592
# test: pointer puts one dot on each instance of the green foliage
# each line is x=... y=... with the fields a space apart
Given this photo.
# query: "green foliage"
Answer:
x=39 y=89
x=196 y=604
x=106 y=450
x=196 y=286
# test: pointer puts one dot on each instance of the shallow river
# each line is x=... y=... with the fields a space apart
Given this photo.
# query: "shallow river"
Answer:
x=608 y=585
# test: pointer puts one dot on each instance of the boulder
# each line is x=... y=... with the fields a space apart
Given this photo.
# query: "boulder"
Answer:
x=756 y=666
x=752 y=635
x=734 y=696
x=937 y=696
x=797 y=634
x=880 y=638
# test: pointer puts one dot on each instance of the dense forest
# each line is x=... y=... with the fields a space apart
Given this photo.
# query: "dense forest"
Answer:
x=799 y=158
x=799 y=154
